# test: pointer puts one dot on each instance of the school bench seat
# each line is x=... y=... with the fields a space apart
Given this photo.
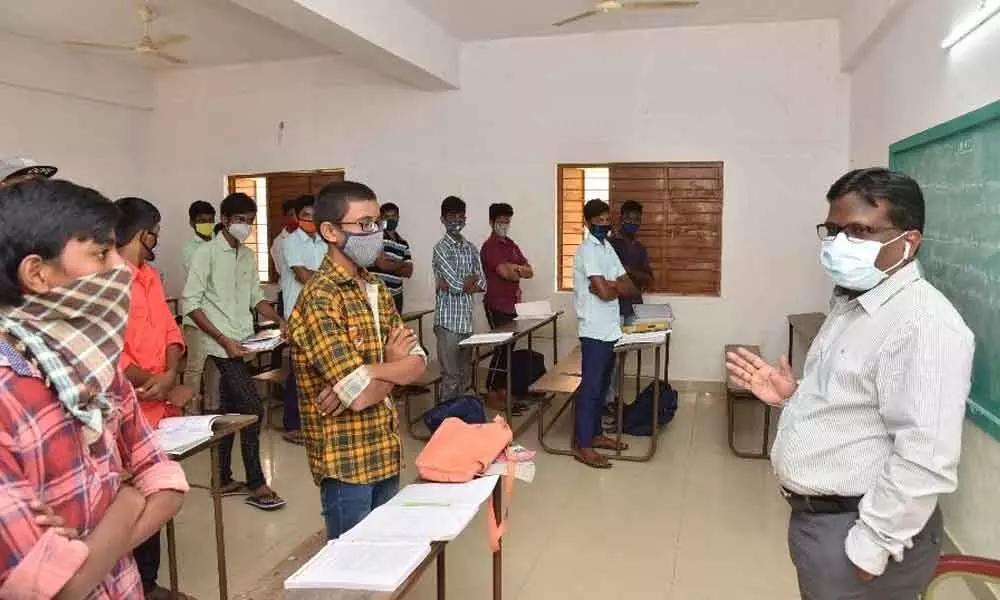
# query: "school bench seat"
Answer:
x=271 y=380
x=562 y=380
x=431 y=378
x=736 y=393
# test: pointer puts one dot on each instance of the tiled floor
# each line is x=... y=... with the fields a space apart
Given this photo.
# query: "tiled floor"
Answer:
x=696 y=523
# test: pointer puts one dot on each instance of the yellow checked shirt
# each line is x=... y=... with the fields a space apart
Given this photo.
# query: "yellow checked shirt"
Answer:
x=333 y=336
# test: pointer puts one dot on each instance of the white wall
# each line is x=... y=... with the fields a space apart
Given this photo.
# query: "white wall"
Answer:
x=767 y=99
x=907 y=84
x=86 y=115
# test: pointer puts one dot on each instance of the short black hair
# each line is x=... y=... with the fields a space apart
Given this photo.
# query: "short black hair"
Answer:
x=595 y=208
x=304 y=201
x=452 y=204
x=199 y=208
x=387 y=207
x=631 y=206
x=906 y=200
x=295 y=204
x=70 y=212
x=134 y=215
x=500 y=209
x=237 y=203
x=333 y=200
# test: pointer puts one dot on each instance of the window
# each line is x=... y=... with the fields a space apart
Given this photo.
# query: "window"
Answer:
x=681 y=218
x=270 y=190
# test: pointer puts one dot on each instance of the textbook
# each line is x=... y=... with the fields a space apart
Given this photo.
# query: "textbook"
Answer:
x=177 y=435
x=381 y=566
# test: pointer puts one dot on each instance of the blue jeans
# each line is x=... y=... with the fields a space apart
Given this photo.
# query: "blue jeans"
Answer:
x=290 y=401
x=345 y=504
x=597 y=365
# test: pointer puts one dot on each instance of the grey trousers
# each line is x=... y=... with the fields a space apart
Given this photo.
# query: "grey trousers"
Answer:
x=816 y=545
x=455 y=361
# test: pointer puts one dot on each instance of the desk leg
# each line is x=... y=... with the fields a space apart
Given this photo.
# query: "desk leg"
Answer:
x=791 y=332
x=220 y=532
x=509 y=350
x=619 y=400
x=172 y=559
x=498 y=555
x=656 y=403
x=441 y=581
x=555 y=340
x=420 y=331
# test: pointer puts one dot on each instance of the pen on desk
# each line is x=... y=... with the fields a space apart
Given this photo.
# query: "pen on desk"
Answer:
x=419 y=504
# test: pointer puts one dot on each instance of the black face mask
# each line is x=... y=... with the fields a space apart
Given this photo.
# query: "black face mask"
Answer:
x=150 y=250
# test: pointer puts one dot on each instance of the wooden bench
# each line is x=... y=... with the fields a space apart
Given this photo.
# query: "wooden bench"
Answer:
x=564 y=379
x=272 y=380
x=430 y=378
x=736 y=392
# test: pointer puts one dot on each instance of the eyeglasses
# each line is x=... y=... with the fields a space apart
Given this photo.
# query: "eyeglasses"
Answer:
x=366 y=225
x=855 y=233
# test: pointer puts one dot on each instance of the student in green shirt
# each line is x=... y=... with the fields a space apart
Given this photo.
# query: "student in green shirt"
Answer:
x=201 y=216
x=221 y=291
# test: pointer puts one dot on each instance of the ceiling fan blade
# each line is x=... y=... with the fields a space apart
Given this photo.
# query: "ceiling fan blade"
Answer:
x=658 y=5
x=169 y=57
x=101 y=46
x=574 y=18
x=171 y=40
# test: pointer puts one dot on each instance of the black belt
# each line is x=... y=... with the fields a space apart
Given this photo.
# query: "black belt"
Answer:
x=821 y=504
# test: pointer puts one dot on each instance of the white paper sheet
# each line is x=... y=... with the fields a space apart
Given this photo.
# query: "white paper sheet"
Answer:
x=651 y=337
x=473 y=493
x=539 y=309
x=482 y=339
x=380 y=566
x=401 y=523
x=179 y=434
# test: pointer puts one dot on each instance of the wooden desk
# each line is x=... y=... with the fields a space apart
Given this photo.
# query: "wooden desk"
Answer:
x=418 y=316
x=807 y=326
x=223 y=427
x=735 y=392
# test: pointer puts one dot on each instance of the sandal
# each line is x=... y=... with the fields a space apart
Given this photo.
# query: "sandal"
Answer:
x=293 y=437
x=606 y=443
x=266 y=502
x=234 y=488
x=598 y=462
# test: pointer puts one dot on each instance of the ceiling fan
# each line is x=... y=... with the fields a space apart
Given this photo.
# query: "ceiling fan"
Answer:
x=607 y=6
x=146 y=45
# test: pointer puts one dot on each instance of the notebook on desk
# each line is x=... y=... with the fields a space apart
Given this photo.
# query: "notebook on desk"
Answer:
x=177 y=435
x=360 y=565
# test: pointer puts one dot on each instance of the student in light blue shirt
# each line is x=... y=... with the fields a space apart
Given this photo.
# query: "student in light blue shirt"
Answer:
x=598 y=280
x=302 y=253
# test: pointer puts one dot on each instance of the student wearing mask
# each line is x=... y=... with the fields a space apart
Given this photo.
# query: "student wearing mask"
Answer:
x=289 y=224
x=599 y=279
x=505 y=266
x=67 y=412
x=303 y=253
x=153 y=349
x=349 y=349
x=395 y=263
x=633 y=255
x=459 y=276
x=221 y=291
x=201 y=218
x=873 y=431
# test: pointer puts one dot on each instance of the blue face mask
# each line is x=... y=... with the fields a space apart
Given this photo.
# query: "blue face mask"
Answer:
x=851 y=264
x=600 y=231
x=630 y=228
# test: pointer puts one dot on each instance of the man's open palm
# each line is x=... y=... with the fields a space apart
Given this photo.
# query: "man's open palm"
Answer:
x=772 y=385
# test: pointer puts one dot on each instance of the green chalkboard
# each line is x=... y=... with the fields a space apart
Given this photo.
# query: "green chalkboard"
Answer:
x=958 y=166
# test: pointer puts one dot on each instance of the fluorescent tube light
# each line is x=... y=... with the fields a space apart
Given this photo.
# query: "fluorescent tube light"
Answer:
x=986 y=11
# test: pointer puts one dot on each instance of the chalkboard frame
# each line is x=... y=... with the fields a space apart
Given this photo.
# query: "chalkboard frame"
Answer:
x=980 y=415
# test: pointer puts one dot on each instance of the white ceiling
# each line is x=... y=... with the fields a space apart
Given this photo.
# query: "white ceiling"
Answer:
x=494 y=19
x=221 y=32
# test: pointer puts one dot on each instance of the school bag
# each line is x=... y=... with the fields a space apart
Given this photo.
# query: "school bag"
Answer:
x=527 y=366
x=468 y=409
x=637 y=418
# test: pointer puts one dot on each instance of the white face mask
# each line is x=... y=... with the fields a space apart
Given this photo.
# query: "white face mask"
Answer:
x=851 y=265
x=240 y=231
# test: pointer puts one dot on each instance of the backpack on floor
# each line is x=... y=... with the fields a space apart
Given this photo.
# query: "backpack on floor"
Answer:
x=527 y=367
x=468 y=409
x=637 y=418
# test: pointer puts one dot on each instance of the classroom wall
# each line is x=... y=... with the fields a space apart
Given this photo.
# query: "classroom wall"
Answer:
x=905 y=85
x=767 y=99
x=85 y=114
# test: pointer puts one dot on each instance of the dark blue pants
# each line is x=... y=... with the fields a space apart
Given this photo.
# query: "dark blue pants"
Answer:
x=597 y=365
x=345 y=504
x=290 y=400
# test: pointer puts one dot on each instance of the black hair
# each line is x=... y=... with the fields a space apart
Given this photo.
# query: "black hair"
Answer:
x=199 y=208
x=304 y=202
x=595 y=208
x=333 y=200
x=218 y=227
x=134 y=215
x=631 y=206
x=452 y=204
x=69 y=211
x=906 y=201
x=387 y=207
x=237 y=204
x=500 y=209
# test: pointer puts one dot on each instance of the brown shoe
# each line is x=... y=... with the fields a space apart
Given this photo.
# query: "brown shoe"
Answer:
x=591 y=458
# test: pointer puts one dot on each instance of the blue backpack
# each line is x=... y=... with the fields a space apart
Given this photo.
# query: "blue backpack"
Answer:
x=467 y=408
x=637 y=418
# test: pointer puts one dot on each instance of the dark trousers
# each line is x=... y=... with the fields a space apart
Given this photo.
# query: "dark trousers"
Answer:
x=238 y=394
x=147 y=558
x=597 y=364
x=398 y=301
x=816 y=545
x=345 y=504
x=290 y=402
x=497 y=377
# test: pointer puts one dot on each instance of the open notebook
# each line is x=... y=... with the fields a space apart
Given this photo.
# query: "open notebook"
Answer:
x=177 y=435
x=381 y=566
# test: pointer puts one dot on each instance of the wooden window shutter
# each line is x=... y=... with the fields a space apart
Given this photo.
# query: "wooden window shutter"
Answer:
x=570 y=201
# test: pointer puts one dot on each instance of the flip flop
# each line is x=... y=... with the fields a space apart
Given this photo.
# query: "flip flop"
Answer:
x=267 y=502
x=234 y=488
x=601 y=463
x=611 y=445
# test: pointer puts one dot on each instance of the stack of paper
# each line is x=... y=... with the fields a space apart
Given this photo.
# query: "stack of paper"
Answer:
x=357 y=565
x=653 y=311
x=413 y=523
x=649 y=317
x=179 y=434
x=483 y=339
x=652 y=337
x=264 y=340
x=473 y=493
x=539 y=309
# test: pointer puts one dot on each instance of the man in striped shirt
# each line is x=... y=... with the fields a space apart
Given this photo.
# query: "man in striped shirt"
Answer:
x=459 y=276
x=395 y=262
x=871 y=435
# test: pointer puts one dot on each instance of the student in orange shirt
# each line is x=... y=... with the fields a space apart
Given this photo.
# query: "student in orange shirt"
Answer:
x=153 y=348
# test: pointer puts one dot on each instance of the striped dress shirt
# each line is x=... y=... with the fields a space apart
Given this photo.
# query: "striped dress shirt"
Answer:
x=879 y=412
x=455 y=259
